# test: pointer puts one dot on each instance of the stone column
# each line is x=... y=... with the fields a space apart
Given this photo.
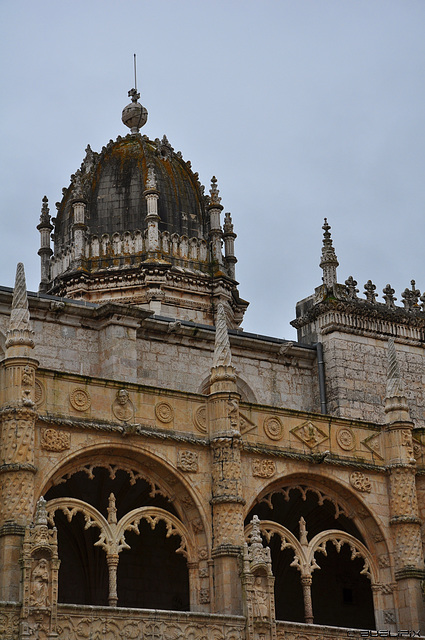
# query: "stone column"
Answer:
x=405 y=522
x=227 y=500
x=17 y=416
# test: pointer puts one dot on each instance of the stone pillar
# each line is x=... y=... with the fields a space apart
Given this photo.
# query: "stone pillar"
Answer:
x=405 y=521
x=227 y=500
x=79 y=227
x=17 y=417
x=151 y=194
x=45 y=228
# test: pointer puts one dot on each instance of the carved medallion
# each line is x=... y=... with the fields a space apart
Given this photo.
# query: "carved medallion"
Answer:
x=164 y=412
x=39 y=393
x=187 y=460
x=203 y=572
x=80 y=399
x=360 y=482
x=346 y=438
x=122 y=407
x=309 y=434
x=273 y=427
x=53 y=440
x=263 y=468
x=203 y=553
x=200 y=419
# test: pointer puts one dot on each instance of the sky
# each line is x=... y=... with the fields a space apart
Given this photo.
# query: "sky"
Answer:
x=303 y=109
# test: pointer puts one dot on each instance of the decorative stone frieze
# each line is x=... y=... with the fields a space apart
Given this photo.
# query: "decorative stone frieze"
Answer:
x=310 y=434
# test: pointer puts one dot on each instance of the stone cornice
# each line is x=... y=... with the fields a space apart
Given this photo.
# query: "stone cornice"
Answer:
x=364 y=318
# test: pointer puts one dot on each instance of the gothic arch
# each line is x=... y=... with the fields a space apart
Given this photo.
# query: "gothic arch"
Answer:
x=154 y=504
x=340 y=529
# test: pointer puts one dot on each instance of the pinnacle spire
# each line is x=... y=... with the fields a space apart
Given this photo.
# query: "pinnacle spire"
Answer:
x=20 y=329
x=329 y=261
x=395 y=397
x=214 y=197
x=222 y=353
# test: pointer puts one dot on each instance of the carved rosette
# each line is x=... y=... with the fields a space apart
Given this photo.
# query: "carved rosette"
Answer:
x=164 y=412
x=200 y=419
x=273 y=427
x=80 y=400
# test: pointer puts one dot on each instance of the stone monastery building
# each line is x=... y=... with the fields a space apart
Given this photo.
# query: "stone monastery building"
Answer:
x=165 y=475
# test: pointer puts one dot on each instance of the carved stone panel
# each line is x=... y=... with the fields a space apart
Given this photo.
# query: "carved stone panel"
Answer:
x=164 y=412
x=187 y=460
x=122 y=407
x=310 y=434
x=54 y=440
x=360 y=482
x=80 y=399
x=273 y=427
x=262 y=468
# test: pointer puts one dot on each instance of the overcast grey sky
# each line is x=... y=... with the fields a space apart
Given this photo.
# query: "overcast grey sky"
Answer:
x=301 y=108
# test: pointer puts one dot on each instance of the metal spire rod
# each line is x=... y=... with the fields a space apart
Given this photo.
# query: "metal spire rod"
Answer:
x=135 y=76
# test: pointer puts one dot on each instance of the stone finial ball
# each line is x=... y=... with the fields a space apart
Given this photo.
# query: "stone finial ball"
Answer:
x=134 y=116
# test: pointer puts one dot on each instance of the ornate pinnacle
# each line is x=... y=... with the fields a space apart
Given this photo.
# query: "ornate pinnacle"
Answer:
x=214 y=197
x=228 y=225
x=351 y=285
x=395 y=383
x=20 y=330
x=411 y=297
x=389 y=297
x=329 y=261
x=45 y=216
x=41 y=512
x=255 y=537
x=369 y=290
x=222 y=353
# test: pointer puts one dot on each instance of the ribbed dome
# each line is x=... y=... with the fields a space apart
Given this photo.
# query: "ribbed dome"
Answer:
x=113 y=182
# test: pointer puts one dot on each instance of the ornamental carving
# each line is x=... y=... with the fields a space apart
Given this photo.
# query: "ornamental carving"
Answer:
x=345 y=438
x=53 y=440
x=309 y=434
x=383 y=561
x=360 y=482
x=373 y=444
x=80 y=400
x=187 y=460
x=408 y=547
x=39 y=393
x=273 y=428
x=204 y=595
x=200 y=419
x=403 y=492
x=122 y=407
x=164 y=412
x=263 y=468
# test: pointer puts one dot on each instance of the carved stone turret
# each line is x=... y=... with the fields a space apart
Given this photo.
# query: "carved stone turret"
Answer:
x=227 y=501
x=17 y=415
x=405 y=521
